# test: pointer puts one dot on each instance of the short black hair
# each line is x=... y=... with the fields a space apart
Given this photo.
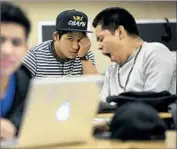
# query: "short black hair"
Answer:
x=61 y=33
x=112 y=18
x=10 y=13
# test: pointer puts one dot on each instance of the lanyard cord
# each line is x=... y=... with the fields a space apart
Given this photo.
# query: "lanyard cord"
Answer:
x=129 y=72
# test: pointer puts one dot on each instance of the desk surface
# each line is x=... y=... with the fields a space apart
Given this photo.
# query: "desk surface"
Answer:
x=169 y=143
x=110 y=115
x=103 y=125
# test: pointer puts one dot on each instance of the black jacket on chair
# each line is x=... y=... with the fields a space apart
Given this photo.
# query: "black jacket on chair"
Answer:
x=160 y=101
x=16 y=111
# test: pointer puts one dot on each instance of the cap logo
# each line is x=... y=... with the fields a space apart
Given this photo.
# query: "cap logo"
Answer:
x=77 y=18
x=77 y=21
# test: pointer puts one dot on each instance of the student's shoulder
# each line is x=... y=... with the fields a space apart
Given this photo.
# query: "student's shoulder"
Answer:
x=155 y=48
x=155 y=51
x=90 y=53
x=41 y=47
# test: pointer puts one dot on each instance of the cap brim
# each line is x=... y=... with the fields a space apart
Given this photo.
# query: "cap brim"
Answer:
x=76 y=30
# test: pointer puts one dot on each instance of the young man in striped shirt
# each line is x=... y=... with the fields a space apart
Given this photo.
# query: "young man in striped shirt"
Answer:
x=68 y=53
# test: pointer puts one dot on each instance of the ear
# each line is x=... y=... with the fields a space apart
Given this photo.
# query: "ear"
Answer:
x=55 y=36
x=120 y=32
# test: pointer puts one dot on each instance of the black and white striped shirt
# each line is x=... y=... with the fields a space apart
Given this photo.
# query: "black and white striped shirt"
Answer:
x=42 y=61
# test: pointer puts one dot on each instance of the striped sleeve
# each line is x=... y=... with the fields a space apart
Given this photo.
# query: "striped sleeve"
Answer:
x=29 y=61
x=91 y=57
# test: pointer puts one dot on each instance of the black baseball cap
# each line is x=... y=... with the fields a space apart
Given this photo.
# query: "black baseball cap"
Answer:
x=72 y=20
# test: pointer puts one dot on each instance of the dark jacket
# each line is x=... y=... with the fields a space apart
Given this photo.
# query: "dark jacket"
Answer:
x=160 y=101
x=137 y=121
x=16 y=112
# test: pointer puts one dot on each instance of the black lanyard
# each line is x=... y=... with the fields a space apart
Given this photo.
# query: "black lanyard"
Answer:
x=129 y=72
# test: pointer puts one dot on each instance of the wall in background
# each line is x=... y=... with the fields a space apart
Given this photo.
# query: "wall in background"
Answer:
x=47 y=11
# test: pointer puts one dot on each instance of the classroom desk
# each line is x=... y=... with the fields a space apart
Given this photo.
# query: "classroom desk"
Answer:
x=169 y=143
x=163 y=115
x=103 y=124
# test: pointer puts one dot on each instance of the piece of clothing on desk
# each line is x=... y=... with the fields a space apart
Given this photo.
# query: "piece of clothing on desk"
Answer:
x=160 y=101
x=154 y=70
x=173 y=110
x=15 y=112
x=8 y=98
x=137 y=121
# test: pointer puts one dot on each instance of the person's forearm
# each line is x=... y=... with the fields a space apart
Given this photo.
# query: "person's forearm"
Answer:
x=88 y=67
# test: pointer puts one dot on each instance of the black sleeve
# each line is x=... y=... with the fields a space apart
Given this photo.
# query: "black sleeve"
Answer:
x=15 y=114
x=26 y=71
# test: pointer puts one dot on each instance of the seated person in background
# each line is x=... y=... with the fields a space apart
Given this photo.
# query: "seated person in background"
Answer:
x=68 y=53
x=15 y=28
x=138 y=65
